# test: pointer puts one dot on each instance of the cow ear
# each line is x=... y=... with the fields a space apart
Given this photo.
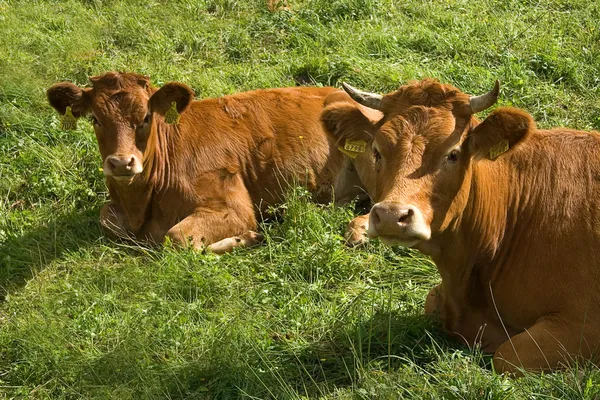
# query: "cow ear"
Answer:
x=176 y=92
x=349 y=121
x=65 y=94
x=499 y=133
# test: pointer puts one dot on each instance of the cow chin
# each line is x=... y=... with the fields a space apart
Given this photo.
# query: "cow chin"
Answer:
x=124 y=178
x=394 y=241
x=412 y=236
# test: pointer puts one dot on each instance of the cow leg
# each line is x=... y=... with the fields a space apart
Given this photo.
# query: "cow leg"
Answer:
x=467 y=325
x=114 y=222
x=226 y=245
x=550 y=343
x=356 y=232
x=207 y=227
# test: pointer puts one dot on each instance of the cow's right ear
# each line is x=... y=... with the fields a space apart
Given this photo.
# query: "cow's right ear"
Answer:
x=347 y=121
x=499 y=133
x=66 y=94
x=161 y=100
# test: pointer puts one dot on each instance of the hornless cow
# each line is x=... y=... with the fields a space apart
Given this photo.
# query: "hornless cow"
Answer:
x=509 y=214
x=197 y=171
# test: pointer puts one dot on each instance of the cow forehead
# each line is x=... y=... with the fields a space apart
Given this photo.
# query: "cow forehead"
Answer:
x=431 y=123
x=121 y=105
x=120 y=95
x=117 y=81
x=426 y=92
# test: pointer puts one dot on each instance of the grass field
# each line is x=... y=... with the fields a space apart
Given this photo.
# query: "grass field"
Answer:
x=302 y=316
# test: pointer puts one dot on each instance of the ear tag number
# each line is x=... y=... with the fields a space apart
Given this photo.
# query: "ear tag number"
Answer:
x=68 y=122
x=498 y=149
x=355 y=146
x=172 y=116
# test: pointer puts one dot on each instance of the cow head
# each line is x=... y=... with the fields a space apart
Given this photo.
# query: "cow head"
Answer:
x=359 y=122
x=350 y=125
x=423 y=149
x=124 y=107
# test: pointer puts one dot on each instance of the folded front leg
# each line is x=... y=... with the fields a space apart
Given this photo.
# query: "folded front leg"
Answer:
x=552 y=342
x=248 y=239
x=205 y=227
x=470 y=326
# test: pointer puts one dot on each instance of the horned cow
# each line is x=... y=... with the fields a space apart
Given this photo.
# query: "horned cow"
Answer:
x=509 y=213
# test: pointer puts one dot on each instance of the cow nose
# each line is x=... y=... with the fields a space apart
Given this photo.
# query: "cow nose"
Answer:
x=121 y=165
x=392 y=219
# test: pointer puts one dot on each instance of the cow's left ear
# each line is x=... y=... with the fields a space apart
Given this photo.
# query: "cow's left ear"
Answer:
x=502 y=130
x=176 y=92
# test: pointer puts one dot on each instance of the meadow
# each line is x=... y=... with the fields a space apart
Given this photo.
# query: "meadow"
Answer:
x=302 y=316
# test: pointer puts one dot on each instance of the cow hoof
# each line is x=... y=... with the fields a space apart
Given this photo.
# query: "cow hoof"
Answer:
x=278 y=5
x=432 y=302
x=356 y=238
x=252 y=238
x=356 y=233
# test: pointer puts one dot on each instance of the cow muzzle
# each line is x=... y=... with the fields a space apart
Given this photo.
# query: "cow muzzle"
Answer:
x=398 y=224
x=122 y=167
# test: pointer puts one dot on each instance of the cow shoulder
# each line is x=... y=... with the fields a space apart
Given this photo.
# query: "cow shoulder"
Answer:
x=500 y=132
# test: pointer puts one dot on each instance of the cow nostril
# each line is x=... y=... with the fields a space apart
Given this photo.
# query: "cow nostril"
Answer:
x=406 y=214
x=131 y=162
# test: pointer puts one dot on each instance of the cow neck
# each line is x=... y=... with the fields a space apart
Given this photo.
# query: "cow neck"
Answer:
x=157 y=173
x=135 y=198
x=473 y=244
x=485 y=216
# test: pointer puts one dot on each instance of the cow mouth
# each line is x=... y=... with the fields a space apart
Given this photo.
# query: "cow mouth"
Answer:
x=396 y=241
x=123 y=177
x=409 y=238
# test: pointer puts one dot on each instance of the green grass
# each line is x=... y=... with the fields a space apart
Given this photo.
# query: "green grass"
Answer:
x=302 y=316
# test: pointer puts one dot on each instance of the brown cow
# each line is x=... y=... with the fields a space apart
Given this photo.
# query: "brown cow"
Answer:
x=201 y=177
x=509 y=214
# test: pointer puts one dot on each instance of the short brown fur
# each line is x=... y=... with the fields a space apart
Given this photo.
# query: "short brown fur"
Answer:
x=514 y=238
x=204 y=179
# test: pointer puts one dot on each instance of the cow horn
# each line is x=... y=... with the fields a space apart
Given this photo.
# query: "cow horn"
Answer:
x=371 y=100
x=485 y=101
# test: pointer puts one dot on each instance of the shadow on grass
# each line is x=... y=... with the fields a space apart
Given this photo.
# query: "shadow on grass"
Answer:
x=21 y=257
x=383 y=343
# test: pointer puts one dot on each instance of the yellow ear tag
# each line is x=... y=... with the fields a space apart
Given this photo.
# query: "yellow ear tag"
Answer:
x=350 y=154
x=356 y=146
x=68 y=122
x=172 y=116
x=498 y=149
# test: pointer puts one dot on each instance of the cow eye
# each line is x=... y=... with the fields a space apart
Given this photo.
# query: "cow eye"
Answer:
x=147 y=119
x=453 y=156
x=377 y=155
